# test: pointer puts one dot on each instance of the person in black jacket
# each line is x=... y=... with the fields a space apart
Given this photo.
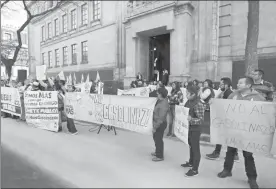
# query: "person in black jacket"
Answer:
x=165 y=77
x=225 y=87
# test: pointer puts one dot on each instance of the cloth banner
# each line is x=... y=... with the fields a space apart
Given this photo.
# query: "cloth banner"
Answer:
x=41 y=109
x=140 y=92
x=246 y=125
x=10 y=101
x=131 y=113
x=181 y=123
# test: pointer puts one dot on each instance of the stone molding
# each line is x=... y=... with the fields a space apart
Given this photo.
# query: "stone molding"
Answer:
x=184 y=8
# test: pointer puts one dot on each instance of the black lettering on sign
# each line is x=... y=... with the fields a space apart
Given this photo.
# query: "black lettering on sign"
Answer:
x=238 y=108
x=47 y=95
x=5 y=97
x=69 y=110
x=96 y=98
x=31 y=95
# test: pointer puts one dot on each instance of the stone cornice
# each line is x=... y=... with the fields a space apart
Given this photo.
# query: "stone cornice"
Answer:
x=182 y=8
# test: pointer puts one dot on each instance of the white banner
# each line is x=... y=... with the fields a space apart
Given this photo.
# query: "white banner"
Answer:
x=139 y=92
x=41 y=72
x=10 y=101
x=181 y=123
x=131 y=113
x=85 y=87
x=246 y=125
x=41 y=109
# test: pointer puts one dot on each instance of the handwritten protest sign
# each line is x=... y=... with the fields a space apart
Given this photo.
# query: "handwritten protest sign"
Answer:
x=41 y=72
x=85 y=87
x=141 y=92
x=181 y=124
x=131 y=113
x=41 y=109
x=245 y=125
x=10 y=101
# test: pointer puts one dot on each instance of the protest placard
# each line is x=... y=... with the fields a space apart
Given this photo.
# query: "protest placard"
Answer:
x=41 y=72
x=85 y=87
x=10 y=101
x=181 y=123
x=41 y=109
x=246 y=125
x=140 y=92
x=127 y=112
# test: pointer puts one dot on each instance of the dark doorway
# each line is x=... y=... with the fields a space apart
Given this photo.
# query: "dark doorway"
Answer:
x=159 y=59
x=22 y=75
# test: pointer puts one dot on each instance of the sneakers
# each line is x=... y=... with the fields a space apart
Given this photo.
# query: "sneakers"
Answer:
x=169 y=134
x=75 y=133
x=173 y=135
x=187 y=164
x=153 y=154
x=191 y=173
x=213 y=156
x=253 y=184
x=157 y=159
x=224 y=174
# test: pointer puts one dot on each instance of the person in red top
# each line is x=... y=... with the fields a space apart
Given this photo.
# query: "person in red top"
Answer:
x=244 y=92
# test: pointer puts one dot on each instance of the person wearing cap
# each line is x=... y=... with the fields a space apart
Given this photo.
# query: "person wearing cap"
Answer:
x=160 y=112
x=196 y=116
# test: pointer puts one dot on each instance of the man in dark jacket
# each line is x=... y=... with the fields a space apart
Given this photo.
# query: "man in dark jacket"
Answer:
x=165 y=77
x=160 y=112
x=225 y=87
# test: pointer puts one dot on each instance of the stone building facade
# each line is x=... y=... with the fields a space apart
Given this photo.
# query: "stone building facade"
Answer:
x=207 y=38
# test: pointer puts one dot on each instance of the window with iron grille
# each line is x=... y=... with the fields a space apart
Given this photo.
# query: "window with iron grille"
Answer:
x=84 y=52
x=56 y=27
x=50 y=59
x=84 y=14
x=96 y=10
x=65 y=56
x=50 y=30
x=64 y=23
x=42 y=33
x=57 y=57
x=74 y=53
x=7 y=36
x=43 y=59
x=73 y=19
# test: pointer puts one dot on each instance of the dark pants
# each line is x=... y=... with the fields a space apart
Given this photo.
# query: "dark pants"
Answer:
x=23 y=114
x=71 y=125
x=172 y=116
x=158 y=140
x=249 y=162
x=193 y=140
x=218 y=149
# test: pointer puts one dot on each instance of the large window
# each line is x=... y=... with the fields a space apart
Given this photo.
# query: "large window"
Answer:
x=56 y=27
x=57 y=57
x=65 y=55
x=42 y=33
x=73 y=19
x=50 y=30
x=84 y=52
x=64 y=23
x=74 y=53
x=50 y=59
x=43 y=58
x=84 y=14
x=7 y=36
x=96 y=10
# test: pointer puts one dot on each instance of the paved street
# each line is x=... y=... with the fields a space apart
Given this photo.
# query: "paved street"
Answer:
x=106 y=160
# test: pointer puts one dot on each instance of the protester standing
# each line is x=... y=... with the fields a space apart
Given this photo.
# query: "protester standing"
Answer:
x=160 y=123
x=165 y=77
x=196 y=116
x=244 y=92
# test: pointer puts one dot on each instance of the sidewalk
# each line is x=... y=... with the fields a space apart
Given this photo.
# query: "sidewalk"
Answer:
x=106 y=160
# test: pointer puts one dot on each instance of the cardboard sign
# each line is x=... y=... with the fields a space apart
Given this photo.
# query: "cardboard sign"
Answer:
x=41 y=72
x=181 y=123
x=246 y=125
x=10 y=101
x=41 y=109
x=131 y=113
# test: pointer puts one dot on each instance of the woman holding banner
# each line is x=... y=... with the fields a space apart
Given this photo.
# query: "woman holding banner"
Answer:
x=160 y=112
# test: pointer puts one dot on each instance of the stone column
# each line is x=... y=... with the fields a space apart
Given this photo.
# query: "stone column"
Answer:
x=181 y=42
x=142 y=56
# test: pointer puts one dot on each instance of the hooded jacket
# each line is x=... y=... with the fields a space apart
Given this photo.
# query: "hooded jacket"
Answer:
x=253 y=96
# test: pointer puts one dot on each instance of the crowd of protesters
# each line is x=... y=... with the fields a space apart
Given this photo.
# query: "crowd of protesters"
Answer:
x=198 y=95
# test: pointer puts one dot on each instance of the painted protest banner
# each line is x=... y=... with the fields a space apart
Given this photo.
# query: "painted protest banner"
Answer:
x=10 y=101
x=85 y=87
x=246 y=125
x=139 y=92
x=41 y=72
x=41 y=109
x=181 y=123
x=127 y=112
